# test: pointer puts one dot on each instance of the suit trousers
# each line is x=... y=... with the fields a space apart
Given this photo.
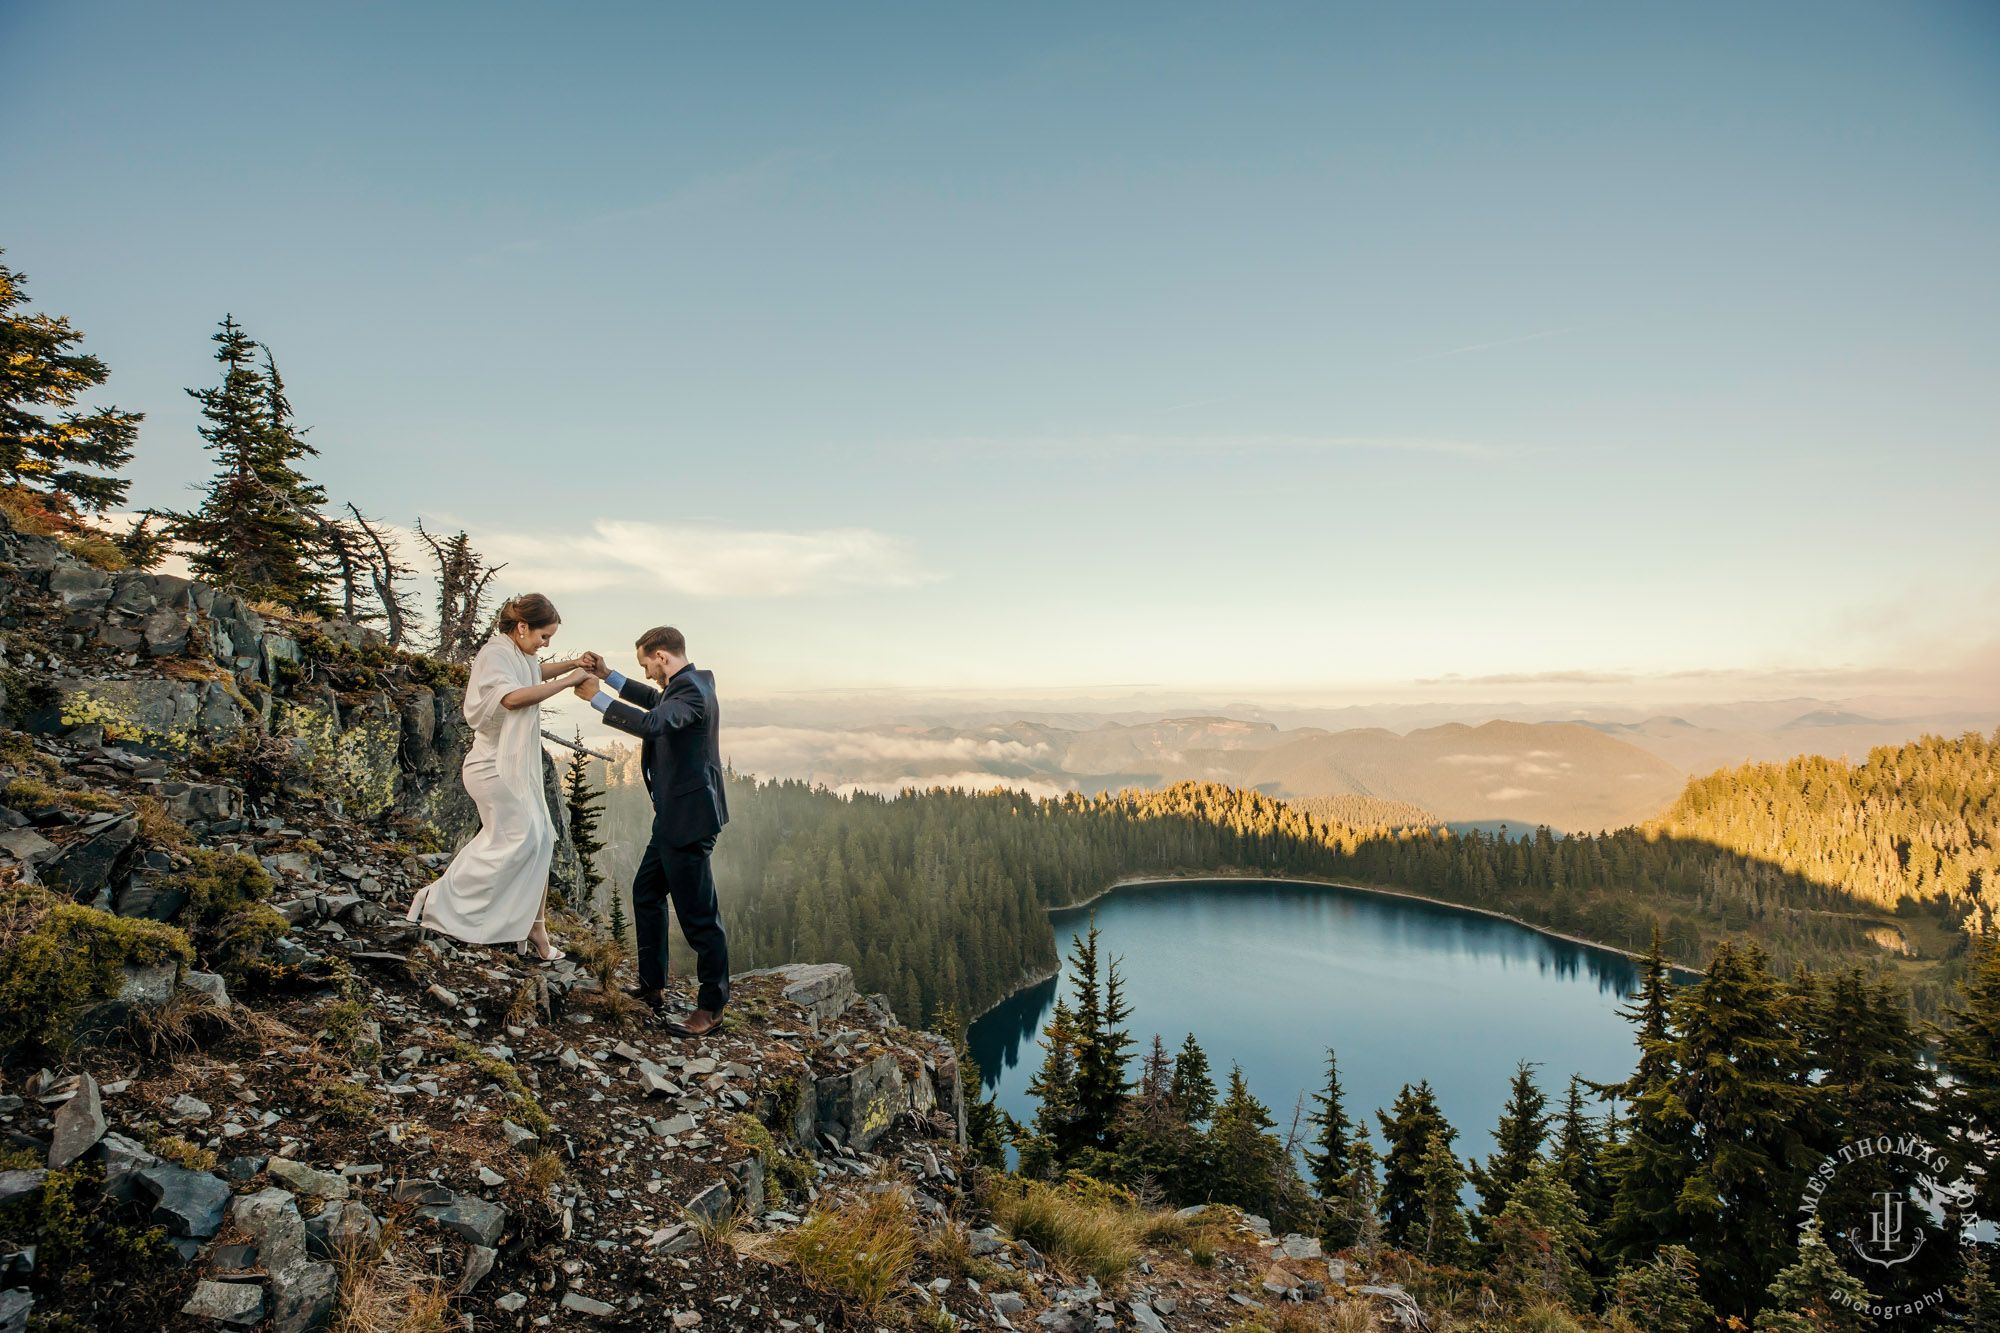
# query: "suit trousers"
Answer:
x=681 y=874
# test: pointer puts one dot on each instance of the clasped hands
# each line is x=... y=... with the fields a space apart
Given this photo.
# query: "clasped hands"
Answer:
x=591 y=668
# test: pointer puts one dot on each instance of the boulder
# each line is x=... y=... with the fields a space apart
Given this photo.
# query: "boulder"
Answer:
x=306 y=1180
x=24 y=844
x=237 y=1304
x=152 y=716
x=474 y=1221
x=151 y=897
x=81 y=589
x=303 y=1297
x=122 y=1158
x=270 y=1218
x=186 y=1203
x=712 y=1203
x=166 y=633
x=342 y=1227
x=79 y=1125
x=211 y=984
x=18 y=1185
x=16 y=1303
x=83 y=868
x=862 y=1101
x=1295 y=1246
x=823 y=990
x=478 y=1263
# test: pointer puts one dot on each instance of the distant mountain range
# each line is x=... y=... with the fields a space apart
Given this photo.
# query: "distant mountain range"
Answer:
x=1584 y=774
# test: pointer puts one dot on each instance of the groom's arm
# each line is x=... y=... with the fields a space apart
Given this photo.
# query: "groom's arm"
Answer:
x=677 y=709
x=640 y=692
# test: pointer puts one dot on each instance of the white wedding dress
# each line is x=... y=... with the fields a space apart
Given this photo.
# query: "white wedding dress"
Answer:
x=492 y=891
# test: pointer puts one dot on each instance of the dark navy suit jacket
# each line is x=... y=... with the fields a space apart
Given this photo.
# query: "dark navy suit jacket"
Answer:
x=679 y=752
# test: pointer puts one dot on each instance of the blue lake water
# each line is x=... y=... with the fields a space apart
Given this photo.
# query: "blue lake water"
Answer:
x=1268 y=974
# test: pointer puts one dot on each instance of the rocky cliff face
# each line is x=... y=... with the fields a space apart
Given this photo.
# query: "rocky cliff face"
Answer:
x=239 y=1090
x=161 y=667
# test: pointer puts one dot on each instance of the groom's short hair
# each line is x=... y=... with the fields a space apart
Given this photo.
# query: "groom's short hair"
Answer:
x=663 y=636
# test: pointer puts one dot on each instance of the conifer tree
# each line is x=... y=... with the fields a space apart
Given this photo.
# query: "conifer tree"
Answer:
x=1049 y=1142
x=1244 y=1155
x=250 y=532
x=1969 y=1050
x=1328 y=1159
x=1439 y=1234
x=1524 y=1126
x=585 y=813
x=1155 y=1143
x=1663 y=1295
x=1542 y=1238
x=1975 y=1297
x=1578 y=1154
x=1193 y=1088
x=1357 y=1221
x=1412 y=1121
x=1815 y=1294
x=66 y=461
x=1717 y=1156
x=1874 y=1080
x=1101 y=1042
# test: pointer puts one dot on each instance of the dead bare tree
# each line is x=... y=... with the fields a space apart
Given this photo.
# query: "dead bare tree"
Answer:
x=463 y=576
x=386 y=572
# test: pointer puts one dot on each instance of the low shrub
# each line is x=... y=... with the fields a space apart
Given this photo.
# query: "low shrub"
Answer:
x=794 y=1175
x=96 y=550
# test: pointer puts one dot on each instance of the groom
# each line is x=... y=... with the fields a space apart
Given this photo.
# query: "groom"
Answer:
x=677 y=722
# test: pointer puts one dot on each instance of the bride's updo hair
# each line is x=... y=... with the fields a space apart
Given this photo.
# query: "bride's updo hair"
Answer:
x=530 y=609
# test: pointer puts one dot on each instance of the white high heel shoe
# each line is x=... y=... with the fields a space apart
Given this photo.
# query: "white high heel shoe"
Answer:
x=527 y=949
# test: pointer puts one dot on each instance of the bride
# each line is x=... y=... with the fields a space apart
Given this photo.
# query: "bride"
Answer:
x=494 y=890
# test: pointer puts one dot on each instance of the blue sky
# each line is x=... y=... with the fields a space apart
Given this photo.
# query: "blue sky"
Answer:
x=1226 y=349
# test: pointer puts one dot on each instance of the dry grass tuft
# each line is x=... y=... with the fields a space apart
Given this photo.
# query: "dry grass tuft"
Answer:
x=545 y=1170
x=157 y=826
x=1078 y=1236
x=860 y=1254
x=720 y=1232
x=381 y=1294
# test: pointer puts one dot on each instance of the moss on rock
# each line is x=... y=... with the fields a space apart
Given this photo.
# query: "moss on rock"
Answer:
x=71 y=963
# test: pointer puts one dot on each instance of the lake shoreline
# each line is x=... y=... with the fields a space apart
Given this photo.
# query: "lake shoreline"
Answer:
x=1192 y=876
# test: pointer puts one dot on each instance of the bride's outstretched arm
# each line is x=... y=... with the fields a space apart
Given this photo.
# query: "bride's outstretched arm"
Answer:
x=534 y=694
x=550 y=670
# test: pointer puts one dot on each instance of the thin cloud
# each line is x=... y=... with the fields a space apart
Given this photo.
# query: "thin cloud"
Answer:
x=1481 y=347
x=707 y=560
x=1147 y=443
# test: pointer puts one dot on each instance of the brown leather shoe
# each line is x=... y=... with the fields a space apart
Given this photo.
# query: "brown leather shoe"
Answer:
x=700 y=1023
x=656 y=1000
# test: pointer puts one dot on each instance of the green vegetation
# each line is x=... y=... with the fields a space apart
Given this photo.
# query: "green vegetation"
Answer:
x=250 y=533
x=860 y=1254
x=584 y=802
x=531 y=1115
x=57 y=463
x=66 y=962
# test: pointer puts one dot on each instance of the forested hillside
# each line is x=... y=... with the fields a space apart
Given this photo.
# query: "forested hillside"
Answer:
x=1918 y=821
x=936 y=898
x=1367 y=811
